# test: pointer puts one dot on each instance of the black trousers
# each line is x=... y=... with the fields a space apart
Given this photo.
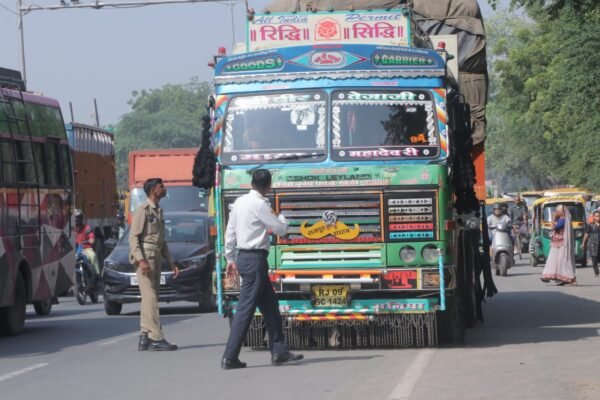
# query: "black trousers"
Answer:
x=256 y=290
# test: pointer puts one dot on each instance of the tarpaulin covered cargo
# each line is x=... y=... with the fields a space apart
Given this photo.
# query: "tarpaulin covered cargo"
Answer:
x=436 y=17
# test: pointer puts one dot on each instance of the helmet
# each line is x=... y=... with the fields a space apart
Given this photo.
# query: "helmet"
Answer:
x=78 y=215
x=497 y=206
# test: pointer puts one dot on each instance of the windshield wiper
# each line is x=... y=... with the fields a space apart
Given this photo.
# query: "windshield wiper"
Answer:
x=287 y=159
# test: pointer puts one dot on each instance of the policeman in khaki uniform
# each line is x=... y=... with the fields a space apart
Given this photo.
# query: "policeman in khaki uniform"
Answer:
x=147 y=248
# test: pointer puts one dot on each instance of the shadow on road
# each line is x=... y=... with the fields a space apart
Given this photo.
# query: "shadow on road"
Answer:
x=535 y=317
x=74 y=326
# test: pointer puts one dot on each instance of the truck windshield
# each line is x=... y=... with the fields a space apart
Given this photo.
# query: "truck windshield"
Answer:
x=383 y=125
x=179 y=198
x=264 y=128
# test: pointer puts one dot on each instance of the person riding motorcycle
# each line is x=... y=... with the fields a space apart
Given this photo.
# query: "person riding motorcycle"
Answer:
x=498 y=216
x=84 y=237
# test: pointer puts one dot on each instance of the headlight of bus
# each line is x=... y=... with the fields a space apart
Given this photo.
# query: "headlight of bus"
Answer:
x=408 y=254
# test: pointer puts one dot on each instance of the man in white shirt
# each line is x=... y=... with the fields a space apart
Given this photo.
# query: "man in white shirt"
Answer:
x=250 y=221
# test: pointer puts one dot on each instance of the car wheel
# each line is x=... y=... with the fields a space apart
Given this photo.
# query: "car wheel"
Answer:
x=43 y=307
x=112 y=308
x=12 y=318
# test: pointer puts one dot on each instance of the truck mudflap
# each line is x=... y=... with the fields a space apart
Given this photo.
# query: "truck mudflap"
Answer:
x=381 y=323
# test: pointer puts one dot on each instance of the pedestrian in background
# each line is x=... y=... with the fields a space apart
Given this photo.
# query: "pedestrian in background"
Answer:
x=250 y=221
x=592 y=239
x=560 y=264
x=147 y=248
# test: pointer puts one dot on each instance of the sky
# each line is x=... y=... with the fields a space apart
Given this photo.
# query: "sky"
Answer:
x=78 y=55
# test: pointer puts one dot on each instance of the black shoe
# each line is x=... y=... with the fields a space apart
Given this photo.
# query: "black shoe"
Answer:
x=160 y=345
x=232 y=364
x=143 y=343
x=284 y=358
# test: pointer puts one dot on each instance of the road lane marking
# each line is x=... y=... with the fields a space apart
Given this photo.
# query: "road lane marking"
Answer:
x=118 y=339
x=21 y=371
x=412 y=375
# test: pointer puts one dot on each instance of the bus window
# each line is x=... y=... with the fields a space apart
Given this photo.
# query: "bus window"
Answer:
x=40 y=163
x=20 y=113
x=26 y=169
x=66 y=165
x=56 y=126
x=9 y=171
x=3 y=117
x=52 y=166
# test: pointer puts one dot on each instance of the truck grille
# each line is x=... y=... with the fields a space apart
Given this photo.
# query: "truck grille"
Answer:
x=332 y=217
x=411 y=216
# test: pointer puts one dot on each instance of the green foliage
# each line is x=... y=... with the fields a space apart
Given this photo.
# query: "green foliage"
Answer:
x=163 y=118
x=551 y=9
x=543 y=110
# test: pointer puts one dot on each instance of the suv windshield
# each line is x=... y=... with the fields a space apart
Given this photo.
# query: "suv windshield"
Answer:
x=178 y=198
x=383 y=125
x=263 y=128
x=181 y=228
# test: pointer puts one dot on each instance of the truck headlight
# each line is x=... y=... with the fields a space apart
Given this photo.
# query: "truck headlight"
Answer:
x=430 y=254
x=408 y=254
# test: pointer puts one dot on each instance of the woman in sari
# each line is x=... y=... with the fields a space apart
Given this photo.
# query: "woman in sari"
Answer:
x=560 y=265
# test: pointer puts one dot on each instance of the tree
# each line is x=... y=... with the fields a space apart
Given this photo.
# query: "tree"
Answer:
x=168 y=117
x=543 y=107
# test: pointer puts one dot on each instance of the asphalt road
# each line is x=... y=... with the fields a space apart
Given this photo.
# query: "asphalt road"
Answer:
x=538 y=342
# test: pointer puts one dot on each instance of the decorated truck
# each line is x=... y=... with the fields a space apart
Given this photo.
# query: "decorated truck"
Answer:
x=371 y=144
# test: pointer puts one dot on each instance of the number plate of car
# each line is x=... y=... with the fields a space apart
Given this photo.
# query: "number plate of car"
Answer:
x=134 y=280
x=330 y=295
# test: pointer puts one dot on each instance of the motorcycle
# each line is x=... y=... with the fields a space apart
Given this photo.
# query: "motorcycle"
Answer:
x=501 y=249
x=86 y=281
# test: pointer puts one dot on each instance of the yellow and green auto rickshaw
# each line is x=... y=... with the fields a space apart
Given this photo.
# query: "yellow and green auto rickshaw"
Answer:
x=565 y=191
x=543 y=212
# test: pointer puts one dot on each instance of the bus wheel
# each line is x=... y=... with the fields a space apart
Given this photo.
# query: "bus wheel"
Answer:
x=43 y=307
x=13 y=317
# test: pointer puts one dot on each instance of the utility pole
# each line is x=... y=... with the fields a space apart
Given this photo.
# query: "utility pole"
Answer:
x=21 y=41
x=97 y=5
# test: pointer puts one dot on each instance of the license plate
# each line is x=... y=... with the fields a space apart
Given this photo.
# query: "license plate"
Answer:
x=134 y=280
x=330 y=295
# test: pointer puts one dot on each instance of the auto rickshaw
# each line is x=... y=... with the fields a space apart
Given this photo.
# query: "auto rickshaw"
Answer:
x=595 y=205
x=565 y=191
x=543 y=212
x=530 y=196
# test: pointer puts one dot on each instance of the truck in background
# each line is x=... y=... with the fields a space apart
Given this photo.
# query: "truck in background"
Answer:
x=93 y=152
x=174 y=166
